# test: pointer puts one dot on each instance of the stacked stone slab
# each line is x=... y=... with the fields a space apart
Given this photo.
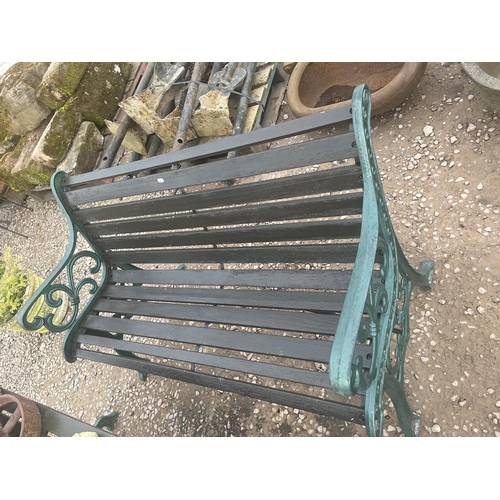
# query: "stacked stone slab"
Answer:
x=51 y=115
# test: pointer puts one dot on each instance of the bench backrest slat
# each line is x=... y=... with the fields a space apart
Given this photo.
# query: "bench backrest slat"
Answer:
x=331 y=180
x=322 y=280
x=265 y=135
x=265 y=212
x=343 y=253
x=331 y=302
x=273 y=160
x=337 y=229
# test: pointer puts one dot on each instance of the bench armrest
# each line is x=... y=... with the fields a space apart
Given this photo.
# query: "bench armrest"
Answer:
x=372 y=309
x=52 y=291
x=346 y=375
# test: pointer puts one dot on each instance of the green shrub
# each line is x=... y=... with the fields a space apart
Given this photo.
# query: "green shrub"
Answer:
x=2 y=268
x=13 y=283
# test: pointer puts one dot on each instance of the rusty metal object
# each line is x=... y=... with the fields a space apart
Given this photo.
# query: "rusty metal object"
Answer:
x=23 y=412
x=189 y=105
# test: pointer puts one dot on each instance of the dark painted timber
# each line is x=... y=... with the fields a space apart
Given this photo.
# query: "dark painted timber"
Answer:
x=262 y=136
x=308 y=403
x=324 y=324
x=317 y=301
x=272 y=160
x=331 y=180
x=320 y=279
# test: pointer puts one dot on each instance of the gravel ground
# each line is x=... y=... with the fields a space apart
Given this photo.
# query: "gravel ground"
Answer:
x=439 y=155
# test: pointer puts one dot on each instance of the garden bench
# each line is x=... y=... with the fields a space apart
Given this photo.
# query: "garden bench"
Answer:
x=274 y=273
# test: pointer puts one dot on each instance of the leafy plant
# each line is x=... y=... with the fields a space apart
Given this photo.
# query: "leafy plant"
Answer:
x=13 y=283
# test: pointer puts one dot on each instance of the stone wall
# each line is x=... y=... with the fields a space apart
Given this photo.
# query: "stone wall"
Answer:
x=52 y=116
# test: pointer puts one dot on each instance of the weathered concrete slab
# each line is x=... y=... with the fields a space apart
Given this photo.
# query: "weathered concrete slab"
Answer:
x=60 y=82
x=18 y=170
x=101 y=89
x=132 y=140
x=56 y=140
x=20 y=110
x=84 y=151
x=212 y=118
x=166 y=129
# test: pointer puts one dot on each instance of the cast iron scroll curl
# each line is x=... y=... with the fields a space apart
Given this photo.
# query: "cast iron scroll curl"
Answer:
x=74 y=288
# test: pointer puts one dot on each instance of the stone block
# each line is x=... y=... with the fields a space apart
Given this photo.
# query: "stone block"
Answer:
x=20 y=110
x=20 y=171
x=101 y=89
x=56 y=140
x=60 y=82
x=84 y=152
x=7 y=164
x=32 y=172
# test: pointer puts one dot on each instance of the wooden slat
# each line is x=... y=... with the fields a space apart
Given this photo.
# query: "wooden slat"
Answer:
x=324 y=324
x=291 y=374
x=336 y=229
x=313 y=350
x=271 y=345
x=319 y=279
x=345 y=253
x=279 y=396
x=317 y=301
x=348 y=204
x=273 y=160
x=264 y=135
x=336 y=179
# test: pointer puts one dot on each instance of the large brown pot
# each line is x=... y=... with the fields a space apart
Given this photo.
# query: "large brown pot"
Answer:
x=318 y=86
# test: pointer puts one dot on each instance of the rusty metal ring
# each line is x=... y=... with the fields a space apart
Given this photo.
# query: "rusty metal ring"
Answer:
x=25 y=412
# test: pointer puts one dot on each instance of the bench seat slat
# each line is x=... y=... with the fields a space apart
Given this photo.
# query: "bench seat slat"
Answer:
x=291 y=374
x=334 y=409
x=336 y=229
x=321 y=280
x=272 y=345
x=343 y=253
x=259 y=343
x=350 y=204
x=324 y=324
x=332 y=180
x=317 y=301
x=273 y=160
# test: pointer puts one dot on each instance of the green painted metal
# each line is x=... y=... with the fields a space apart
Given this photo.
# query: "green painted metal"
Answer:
x=73 y=288
x=107 y=421
x=386 y=305
x=380 y=293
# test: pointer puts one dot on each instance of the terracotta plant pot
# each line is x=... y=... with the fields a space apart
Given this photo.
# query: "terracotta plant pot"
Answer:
x=317 y=86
